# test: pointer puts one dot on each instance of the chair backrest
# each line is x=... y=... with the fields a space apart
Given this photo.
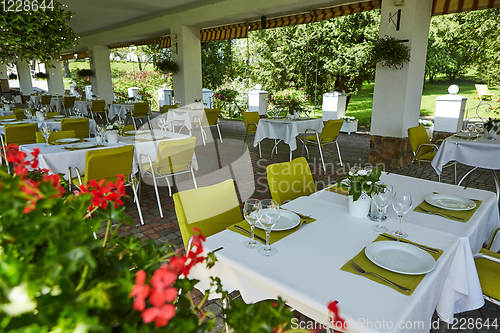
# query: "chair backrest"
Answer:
x=98 y=166
x=249 y=118
x=25 y=99
x=290 y=180
x=331 y=130
x=81 y=126
x=98 y=105
x=128 y=128
x=45 y=100
x=10 y=116
x=165 y=108
x=69 y=101
x=140 y=110
x=19 y=114
x=482 y=89
x=174 y=155
x=418 y=136
x=212 y=116
x=20 y=134
x=55 y=136
x=210 y=209
x=52 y=114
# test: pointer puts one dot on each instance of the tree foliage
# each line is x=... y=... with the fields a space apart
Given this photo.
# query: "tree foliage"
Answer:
x=217 y=63
x=36 y=34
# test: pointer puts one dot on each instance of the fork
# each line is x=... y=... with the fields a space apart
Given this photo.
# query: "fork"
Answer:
x=362 y=271
x=439 y=213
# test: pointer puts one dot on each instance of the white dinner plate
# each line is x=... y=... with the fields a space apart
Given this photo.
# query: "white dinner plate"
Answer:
x=84 y=145
x=450 y=202
x=60 y=116
x=67 y=140
x=400 y=257
x=466 y=135
x=12 y=122
x=7 y=120
x=287 y=220
x=131 y=132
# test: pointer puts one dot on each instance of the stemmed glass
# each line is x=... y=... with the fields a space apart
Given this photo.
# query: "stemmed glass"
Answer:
x=401 y=204
x=46 y=134
x=251 y=214
x=479 y=128
x=28 y=114
x=382 y=196
x=269 y=214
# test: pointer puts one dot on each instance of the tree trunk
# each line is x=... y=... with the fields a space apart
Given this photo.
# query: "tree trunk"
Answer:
x=67 y=73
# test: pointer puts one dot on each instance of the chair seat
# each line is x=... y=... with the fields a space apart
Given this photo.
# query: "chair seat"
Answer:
x=489 y=272
x=314 y=138
x=427 y=156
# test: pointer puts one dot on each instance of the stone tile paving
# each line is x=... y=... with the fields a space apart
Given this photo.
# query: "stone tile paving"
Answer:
x=233 y=159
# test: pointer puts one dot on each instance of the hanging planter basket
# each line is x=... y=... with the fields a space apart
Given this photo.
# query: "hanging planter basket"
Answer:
x=167 y=67
x=391 y=52
x=84 y=73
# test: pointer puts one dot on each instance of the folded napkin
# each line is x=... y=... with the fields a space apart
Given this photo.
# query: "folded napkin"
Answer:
x=274 y=236
x=409 y=281
x=338 y=189
x=461 y=214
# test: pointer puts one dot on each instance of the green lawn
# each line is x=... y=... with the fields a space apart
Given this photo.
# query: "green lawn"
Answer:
x=360 y=105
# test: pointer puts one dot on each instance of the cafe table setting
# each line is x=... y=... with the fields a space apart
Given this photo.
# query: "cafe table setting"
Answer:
x=314 y=263
x=186 y=116
x=53 y=122
x=285 y=130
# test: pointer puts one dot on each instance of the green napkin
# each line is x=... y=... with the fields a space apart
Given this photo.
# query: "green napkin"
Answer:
x=462 y=214
x=409 y=281
x=54 y=143
x=337 y=189
x=273 y=237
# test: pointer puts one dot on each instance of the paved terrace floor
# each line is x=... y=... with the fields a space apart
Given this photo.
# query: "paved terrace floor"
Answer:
x=218 y=162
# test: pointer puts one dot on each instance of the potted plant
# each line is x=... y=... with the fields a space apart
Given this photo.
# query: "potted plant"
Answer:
x=491 y=128
x=167 y=66
x=291 y=99
x=391 y=52
x=84 y=73
x=429 y=126
x=359 y=184
x=40 y=75
x=12 y=76
x=350 y=125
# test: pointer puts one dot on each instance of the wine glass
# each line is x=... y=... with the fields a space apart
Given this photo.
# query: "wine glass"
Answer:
x=479 y=127
x=46 y=134
x=401 y=204
x=269 y=214
x=382 y=196
x=28 y=114
x=251 y=213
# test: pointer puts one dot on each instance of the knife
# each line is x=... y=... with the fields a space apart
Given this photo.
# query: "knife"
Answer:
x=417 y=245
x=250 y=234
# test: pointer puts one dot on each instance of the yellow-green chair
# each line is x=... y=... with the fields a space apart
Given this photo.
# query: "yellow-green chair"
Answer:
x=488 y=270
x=19 y=114
x=98 y=166
x=128 y=128
x=213 y=119
x=98 y=108
x=290 y=180
x=423 y=150
x=173 y=157
x=140 y=110
x=328 y=135
x=52 y=114
x=55 y=136
x=165 y=108
x=45 y=100
x=251 y=120
x=69 y=104
x=20 y=134
x=81 y=126
x=210 y=209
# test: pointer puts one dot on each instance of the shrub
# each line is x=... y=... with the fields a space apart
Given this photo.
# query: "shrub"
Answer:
x=290 y=99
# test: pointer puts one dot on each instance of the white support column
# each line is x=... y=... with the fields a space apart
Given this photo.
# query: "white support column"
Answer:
x=24 y=77
x=3 y=72
x=398 y=93
x=55 y=78
x=188 y=81
x=102 y=85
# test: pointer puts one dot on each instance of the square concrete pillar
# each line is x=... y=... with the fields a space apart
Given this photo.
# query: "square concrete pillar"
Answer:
x=102 y=85
x=55 y=77
x=24 y=77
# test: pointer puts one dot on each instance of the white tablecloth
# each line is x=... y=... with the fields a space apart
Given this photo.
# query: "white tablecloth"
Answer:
x=482 y=152
x=285 y=129
x=36 y=99
x=57 y=102
x=306 y=270
x=119 y=110
x=83 y=107
x=185 y=117
x=6 y=113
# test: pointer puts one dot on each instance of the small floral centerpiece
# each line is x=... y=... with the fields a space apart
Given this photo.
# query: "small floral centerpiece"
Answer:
x=291 y=99
x=116 y=126
x=359 y=182
x=492 y=124
x=425 y=122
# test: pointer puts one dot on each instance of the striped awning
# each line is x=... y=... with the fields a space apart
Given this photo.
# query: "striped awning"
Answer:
x=162 y=42
x=317 y=15
x=442 y=7
x=224 y=32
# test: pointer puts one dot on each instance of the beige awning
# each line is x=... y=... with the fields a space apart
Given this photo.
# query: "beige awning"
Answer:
x=441 y=7
x=232 y=31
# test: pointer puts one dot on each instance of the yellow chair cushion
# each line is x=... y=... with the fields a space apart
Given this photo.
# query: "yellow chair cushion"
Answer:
x=290 y=180
x=210 y=209
x=489 y=275
x=251 y=118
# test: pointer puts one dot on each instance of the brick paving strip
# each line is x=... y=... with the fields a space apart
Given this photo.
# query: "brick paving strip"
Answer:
x=354 y=149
